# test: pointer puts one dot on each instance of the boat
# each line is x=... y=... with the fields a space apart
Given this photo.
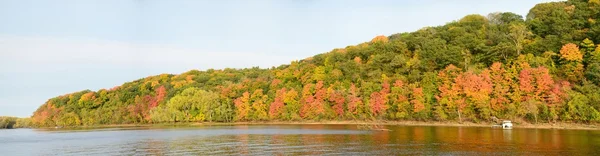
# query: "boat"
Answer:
x=507 y=124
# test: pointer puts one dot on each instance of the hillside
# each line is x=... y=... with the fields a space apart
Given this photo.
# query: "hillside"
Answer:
x=545 y=68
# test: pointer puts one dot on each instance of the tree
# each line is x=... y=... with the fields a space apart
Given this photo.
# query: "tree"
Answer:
x=507 y=68
x=570 y=52
x=354 y=101
x=572 y=62
x=292 y=105
x=276 y=108
x=518 y=34
x=379 y=100
x=501 y=82
x=259 y=106
x=242 y=105
x=211 y=105
x=313 y=104
x=8 y=122
x=338 y=101
x=164 y=114
x=451 y=97
x=380 y=38
x=477 y=89
x=377 y=103
x=69 y=119
x=592 y=71
x=401 y=108
x=587 y=48
x=194 y=104
x=418 y=100
x=531 y=107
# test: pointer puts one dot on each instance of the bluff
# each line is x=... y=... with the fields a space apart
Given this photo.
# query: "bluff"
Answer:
x=542 y=68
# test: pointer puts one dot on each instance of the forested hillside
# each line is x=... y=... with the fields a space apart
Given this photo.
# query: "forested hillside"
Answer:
x=7 y=122
x=544 y=67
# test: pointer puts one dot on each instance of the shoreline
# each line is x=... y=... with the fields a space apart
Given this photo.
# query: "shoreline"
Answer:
x=559 y=125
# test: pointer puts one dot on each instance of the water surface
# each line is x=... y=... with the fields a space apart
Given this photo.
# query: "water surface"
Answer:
x=298 y=140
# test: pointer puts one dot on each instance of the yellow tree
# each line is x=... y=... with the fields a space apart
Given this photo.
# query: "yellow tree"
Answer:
x=259 y=105
x=501 y=81
x=572 y=59
x=242 y=107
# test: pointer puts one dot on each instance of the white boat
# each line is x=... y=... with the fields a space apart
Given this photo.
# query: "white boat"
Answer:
x=507 y=124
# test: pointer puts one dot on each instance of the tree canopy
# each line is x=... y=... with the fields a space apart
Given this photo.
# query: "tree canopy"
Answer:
x=545 y=68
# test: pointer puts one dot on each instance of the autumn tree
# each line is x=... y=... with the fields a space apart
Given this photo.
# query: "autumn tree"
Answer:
x=537 y=86
x=378 y=100
x=451 y=98
x=355 y=103
x=572 y=59
x=511 y=68
x=259 y=105
x=243 y=108
x=476 y=88
x=277 y=106
x=292 y=105
x=399 y=99
x=418 y=99
x=501 y=86
x=313 y=104
x=338 y=100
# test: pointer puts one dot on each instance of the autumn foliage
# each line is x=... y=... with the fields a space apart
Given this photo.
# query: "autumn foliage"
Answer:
x=471 y=70
x=276 y=108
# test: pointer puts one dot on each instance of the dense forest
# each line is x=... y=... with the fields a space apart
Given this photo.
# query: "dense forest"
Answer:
x=544 y=67
x=7 y=122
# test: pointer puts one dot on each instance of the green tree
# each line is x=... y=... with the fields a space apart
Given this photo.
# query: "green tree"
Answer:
x=194 y=104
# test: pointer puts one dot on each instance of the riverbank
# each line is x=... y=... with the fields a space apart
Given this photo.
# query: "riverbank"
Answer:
x=560 y=125
x=421 y=123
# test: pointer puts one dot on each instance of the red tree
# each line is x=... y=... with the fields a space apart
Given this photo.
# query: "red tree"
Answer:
x=354 y=101
x=376 y=103
x=276 y=108
x=379 y=99
x=313 y=105
x=338 y=102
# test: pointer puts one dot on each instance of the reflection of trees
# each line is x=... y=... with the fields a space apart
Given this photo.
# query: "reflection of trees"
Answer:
x=243 y=140
x=154 y=147
x=419 y=140
x=277 y=140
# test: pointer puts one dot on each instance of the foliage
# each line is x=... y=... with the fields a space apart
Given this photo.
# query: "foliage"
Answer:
x=7 y=122
x=542 y=69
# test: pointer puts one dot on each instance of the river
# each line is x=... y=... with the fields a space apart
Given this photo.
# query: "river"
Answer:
x=298 y=140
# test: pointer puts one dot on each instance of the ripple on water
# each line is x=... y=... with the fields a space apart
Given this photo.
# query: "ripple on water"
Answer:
x=299 y=140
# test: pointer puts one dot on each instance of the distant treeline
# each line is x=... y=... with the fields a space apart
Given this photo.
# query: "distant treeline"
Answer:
x=7 y=122
x=545 y=68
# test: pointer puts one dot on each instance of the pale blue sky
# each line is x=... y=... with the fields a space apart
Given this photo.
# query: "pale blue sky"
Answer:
x=50 y=48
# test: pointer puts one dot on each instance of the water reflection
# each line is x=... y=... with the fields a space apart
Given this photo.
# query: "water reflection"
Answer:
x=300 y=139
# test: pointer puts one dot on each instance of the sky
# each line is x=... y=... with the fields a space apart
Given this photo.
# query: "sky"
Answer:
x=51 y=48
